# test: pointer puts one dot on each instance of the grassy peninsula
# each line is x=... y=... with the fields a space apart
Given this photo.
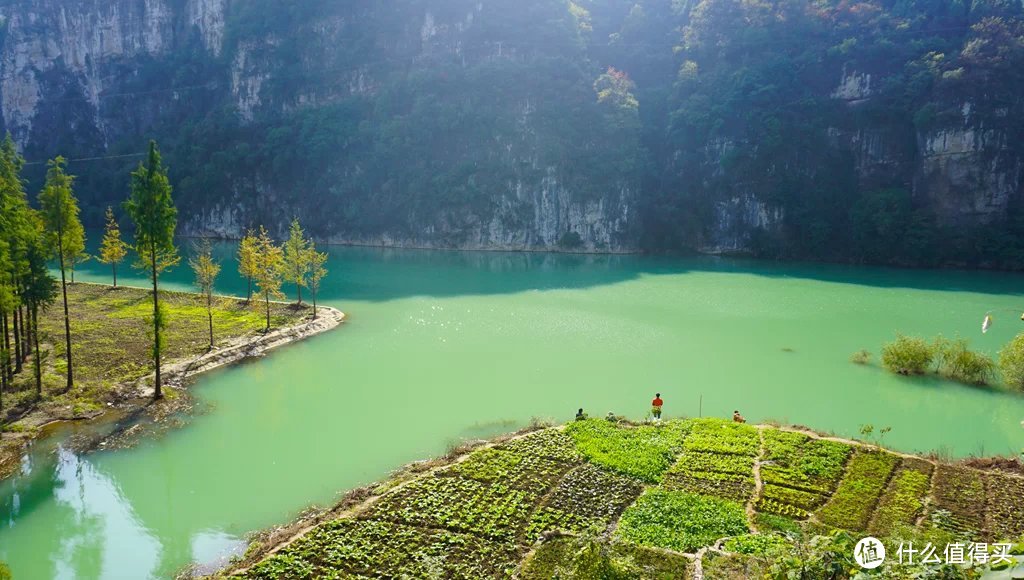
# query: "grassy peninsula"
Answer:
x=113 y=357
x=696 y=498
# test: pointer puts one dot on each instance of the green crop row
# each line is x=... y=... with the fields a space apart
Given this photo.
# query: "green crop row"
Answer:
x=802 y=499
x=364 y=549
x=493 y=510
x=530 y=472
x=1005 y=505
x=680 y=521
x=905 y=497
x=960 y=492
x=547 y=519
x=853 y=501
x=796 y=460
x=720 y=436
x=643 y=452
x=770 y=506
x=586 y=558
x=592 y=492
x=549 y=443
x=724 y=485
x=718 y=462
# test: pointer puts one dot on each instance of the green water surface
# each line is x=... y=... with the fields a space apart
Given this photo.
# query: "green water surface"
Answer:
x=442 y=346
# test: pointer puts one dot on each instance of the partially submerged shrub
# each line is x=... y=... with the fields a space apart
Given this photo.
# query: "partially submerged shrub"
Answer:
x=861 y=357
x=1011 y=363
x=960 y=363
x=908 y=355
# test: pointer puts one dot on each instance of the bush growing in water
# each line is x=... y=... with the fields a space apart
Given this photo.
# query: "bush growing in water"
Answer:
x=911 y=355
x=960 y=363
x=1011 y=363
x=908 y=355
x=861 y=357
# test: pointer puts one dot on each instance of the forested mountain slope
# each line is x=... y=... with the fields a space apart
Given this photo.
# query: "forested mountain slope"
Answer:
x=881 y=130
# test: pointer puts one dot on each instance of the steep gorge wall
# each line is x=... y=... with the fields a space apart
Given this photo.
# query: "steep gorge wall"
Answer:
x=481 y=123
x=87 y=77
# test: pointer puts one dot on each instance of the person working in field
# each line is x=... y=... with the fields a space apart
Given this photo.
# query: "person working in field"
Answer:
x=656 y=406
x=580 y=415
x=737 y=418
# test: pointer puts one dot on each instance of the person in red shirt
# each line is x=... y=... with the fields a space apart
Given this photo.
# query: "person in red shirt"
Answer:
x=656 y=406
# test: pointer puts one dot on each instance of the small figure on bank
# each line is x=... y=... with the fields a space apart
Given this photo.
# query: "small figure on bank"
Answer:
x=580 y=415
x=736 y=417
x=611 y=417
x=656 y=406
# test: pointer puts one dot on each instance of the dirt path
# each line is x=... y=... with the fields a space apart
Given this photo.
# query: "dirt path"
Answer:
x=758 y=483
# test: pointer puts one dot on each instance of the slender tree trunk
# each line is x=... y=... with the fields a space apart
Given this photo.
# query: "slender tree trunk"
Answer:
x=249 y=297
x=67 y=315
x=313 y=292
x=113 y=266
x=5 y=345
x=209 y=314
x=298 y=288
x=268 y=311
x=158 y=393
x=17 y=339
x=26 y=334
x=35 y=342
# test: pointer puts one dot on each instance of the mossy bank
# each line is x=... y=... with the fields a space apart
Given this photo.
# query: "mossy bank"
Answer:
x=112 y=354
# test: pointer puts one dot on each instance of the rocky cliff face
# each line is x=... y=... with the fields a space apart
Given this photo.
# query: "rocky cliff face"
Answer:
x=497 y=125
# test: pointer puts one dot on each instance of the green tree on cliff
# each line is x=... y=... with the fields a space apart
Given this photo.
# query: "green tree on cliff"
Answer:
x=155 y=217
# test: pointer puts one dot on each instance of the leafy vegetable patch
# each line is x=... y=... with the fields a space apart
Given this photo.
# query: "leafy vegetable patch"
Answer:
x=550 y=443
x=853 y=501
x=720 y=436
x=576 y=558
x=530 y=472
x=587 y=498
x=680 y=521
x=798 y=461
x=724 y=485
x=905 y=497
x=643 y=452
x=466 y=505
x=959 y=500
x=1005 y=505
x=804 y=500
x=357 y=549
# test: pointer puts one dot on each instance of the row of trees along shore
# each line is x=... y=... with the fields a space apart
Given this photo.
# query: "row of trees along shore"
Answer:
x=30 y=238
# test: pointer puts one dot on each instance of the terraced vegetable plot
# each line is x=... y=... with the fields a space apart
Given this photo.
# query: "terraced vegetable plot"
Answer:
x=904 y=500
x=643 y=452
x=1004 y=505
x=555 y=494
x=529 y=472
x=588 y=497
x=572 y=558
x=717 y=460
x=495 y=511
x=373 y=549
x=680 y=521
x=801 y=462
x=958 y=501
x=717 y=436
x=853 y=502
